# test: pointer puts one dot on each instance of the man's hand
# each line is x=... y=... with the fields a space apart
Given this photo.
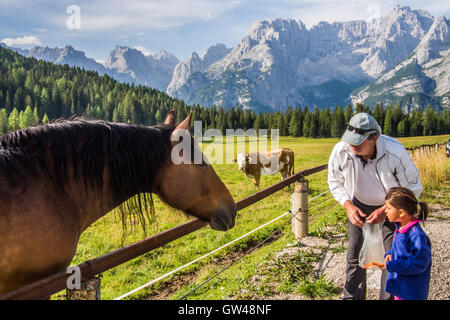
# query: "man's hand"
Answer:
x=387 y=258
x=354 y=214
x=377 y=216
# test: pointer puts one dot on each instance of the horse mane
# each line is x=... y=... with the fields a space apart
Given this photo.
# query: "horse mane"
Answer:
x=90 y=145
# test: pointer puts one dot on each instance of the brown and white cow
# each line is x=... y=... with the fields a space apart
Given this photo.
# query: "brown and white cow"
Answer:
x=256 y=164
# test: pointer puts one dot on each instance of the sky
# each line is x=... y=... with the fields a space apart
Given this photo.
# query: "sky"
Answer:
x=177 y=26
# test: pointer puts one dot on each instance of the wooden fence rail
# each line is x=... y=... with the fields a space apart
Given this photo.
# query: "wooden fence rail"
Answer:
x=44 y=288
x=424 y=149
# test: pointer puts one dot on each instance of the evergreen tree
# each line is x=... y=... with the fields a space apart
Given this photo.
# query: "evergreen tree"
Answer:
x=325 y=123
x=286 y=119
x=3 y=121
x=359 y=107
x=248 y=119
x=259 y=123
x=159 y=117
x=13 y=120
x=8 y=102
x=35 y=116
x=307 y=125
x=221 y=121
x=401 y=128
x=116 y=116
x=294 y=126
x=314 y=127
x=428 y=121
x=397 y=115
x=26 y=118
x=348 y=113
x=301 y=118
x=19 y=98
x=416 y=123
x=389 y=129
x=231 y=119
x=378 y=114
x=338 y=123
x=279 y=123
x=54 y=109
x=45 y=101
x=45 y=119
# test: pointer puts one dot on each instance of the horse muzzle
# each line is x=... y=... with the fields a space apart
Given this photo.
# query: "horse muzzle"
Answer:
x=224 y=218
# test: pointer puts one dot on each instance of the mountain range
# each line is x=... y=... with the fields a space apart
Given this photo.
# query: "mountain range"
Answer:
x=400 y=58
x=124 y=64
x=280 y=62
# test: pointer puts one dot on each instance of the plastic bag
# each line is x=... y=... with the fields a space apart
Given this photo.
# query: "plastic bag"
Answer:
x=372 y=249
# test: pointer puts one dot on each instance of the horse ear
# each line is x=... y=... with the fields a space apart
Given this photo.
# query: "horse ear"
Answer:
x=181 y=129
x=186 y=123
x=170 y=118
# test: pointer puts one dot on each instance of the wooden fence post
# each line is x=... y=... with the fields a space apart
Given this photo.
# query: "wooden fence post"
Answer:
x=90 y=290
x=300 y=220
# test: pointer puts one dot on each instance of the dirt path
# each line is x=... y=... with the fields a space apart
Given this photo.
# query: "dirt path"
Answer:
x=331 y=263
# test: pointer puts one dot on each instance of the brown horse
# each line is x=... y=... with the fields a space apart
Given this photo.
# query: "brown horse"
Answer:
x=57 y=179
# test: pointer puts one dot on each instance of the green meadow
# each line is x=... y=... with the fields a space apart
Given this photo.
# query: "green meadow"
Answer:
x=107 y=235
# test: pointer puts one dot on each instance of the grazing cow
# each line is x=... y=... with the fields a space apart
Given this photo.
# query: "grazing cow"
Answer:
x=256 y=164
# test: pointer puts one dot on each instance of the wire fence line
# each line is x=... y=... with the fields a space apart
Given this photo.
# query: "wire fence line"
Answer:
x=241 y=257
x=222 y=247
x=216 y=250
x=257 y=246
x=198 y=259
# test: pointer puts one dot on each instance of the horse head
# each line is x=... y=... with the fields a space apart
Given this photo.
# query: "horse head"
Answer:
x=195 y=187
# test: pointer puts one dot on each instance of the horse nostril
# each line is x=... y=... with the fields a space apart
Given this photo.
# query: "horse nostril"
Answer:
x=223 y=219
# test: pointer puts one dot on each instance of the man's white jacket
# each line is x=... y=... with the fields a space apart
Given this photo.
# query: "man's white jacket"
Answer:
x=394 y=168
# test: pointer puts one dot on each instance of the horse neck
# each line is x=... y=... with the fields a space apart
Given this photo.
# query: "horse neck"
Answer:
x=93 y=202
x=132 y=165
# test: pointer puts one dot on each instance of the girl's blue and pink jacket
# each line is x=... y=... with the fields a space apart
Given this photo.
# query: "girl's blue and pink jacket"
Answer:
x=410 y=265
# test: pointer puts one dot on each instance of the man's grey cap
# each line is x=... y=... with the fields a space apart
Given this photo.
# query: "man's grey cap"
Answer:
x=362 y=121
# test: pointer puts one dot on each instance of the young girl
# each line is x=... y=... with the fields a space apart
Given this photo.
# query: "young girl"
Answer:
x=409 y=260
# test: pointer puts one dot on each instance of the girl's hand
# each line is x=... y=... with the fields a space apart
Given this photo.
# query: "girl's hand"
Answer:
x=374 y=264
x=387 y=258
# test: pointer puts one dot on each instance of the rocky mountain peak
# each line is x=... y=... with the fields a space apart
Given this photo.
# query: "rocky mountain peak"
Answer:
x=280 y=62
x=196 y=64
x=214 y=53
x=437 y=39
x=131 y=65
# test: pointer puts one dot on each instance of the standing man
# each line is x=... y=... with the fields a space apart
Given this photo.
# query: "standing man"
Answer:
x=361 y=170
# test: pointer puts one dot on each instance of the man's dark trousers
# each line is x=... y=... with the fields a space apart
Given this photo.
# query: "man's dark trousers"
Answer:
x=355 y=285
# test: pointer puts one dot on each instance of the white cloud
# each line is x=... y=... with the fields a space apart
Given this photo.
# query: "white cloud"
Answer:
x=104 y=15
x=22 y=41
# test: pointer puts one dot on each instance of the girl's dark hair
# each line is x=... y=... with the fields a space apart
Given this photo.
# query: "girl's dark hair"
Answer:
x=403 y=198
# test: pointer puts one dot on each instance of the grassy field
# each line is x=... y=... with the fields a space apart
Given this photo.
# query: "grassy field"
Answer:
x=106 y=234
